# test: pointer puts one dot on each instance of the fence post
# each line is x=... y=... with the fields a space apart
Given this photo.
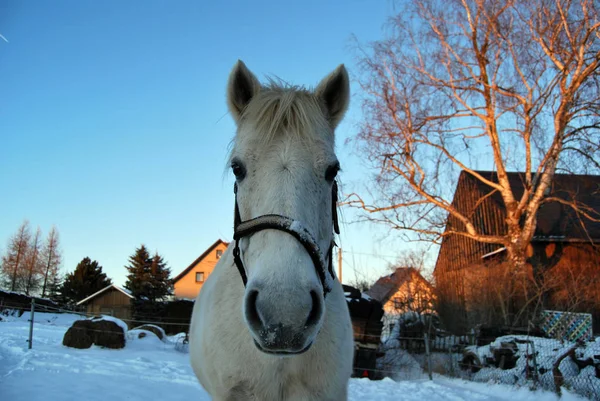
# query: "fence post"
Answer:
x=535 y=366
x=31 y=322
x=426 y=337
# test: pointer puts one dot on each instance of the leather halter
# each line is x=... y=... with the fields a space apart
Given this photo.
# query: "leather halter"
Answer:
x=243 y=229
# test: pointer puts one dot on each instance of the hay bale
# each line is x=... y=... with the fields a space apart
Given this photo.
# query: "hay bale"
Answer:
x=160 y=333
x=136 y=334
x=108 y=334
x=78 y=335
x=104 y=333
x=143 y=339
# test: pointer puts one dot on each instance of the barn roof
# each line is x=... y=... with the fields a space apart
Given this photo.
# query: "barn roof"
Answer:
x=387 y=286
x=123 y=290
x=555 y=221
x=199 y=258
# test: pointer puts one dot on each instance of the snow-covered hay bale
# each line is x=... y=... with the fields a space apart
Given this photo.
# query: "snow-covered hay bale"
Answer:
x=99 y=331
x=143 y=339
x=160 y=333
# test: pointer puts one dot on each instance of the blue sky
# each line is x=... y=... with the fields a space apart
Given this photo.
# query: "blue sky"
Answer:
x=114 y=127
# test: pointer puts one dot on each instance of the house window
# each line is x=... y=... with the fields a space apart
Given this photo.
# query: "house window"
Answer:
x=219 y=253
x=199 y=277
x=398 y=304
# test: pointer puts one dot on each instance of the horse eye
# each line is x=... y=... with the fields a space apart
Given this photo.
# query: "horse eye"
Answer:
x=238 y=170
x=332 y=171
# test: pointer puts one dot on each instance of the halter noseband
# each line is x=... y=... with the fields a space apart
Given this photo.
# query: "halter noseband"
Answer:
x=243 y=229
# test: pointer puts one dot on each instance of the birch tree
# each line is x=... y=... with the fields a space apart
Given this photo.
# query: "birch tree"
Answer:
x=462 y=84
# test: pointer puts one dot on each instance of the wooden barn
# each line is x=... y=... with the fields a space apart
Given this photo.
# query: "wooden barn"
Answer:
x=564 y=256
x=112 y=300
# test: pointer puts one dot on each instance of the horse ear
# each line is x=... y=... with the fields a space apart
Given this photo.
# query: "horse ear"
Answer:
x=334 y=91
x=241 y=88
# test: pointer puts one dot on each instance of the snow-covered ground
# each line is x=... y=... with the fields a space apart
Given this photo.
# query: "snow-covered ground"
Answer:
x=150 y=369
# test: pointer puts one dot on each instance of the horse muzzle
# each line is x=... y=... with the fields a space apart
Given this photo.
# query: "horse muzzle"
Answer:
x=279 y=325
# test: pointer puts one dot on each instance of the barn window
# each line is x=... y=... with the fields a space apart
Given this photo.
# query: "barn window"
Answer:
x=219 y=253
x=200 y=277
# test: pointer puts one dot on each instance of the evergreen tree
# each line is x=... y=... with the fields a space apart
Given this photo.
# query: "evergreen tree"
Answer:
x=148 y=277
x=162 y=285
x=87 y=279
x=54 y=288
x=138 y=272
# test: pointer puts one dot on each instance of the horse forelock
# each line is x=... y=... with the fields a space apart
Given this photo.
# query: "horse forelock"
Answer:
x=280 y=109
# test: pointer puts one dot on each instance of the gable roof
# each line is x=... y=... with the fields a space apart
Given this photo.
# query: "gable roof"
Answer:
x=555 y=221
x=123 y=290
x=199 y=258
x=387 y=286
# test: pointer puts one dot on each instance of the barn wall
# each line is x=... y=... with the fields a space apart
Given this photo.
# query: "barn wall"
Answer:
x=112 y=302
x=187 y=287
x=458 y=252
x=574 y=275
x=565 y=275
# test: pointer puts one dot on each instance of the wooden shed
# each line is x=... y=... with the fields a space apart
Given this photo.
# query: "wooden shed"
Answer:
x=112 y=300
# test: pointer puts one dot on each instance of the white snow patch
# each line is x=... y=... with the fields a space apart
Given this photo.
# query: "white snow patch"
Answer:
x=149 y=370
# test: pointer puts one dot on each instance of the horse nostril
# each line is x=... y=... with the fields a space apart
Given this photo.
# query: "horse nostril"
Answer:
x=251 y=311
x=316 y=311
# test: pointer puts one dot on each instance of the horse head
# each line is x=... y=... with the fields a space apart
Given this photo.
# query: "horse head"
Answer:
x=285 y=167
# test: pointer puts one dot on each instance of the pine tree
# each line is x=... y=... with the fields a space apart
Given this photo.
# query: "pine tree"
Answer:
x=13 y=260
x=54 y=288
x=87 y=279
x=138 y=275
x=148 y=278
x=162 y=285
x=51 y=259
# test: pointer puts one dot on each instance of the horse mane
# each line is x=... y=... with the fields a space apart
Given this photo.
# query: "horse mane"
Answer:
x=281 y=108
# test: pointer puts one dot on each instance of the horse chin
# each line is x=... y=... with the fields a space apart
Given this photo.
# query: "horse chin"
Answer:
x=282 y=352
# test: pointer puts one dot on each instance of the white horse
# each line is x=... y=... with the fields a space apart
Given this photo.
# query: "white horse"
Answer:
x=271 y=322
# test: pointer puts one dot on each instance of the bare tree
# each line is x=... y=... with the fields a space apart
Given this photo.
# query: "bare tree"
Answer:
x=51 y=259
x=415 y=258
x=515 y=83
x=14 y=258
x=32 y=267
x=361 y=284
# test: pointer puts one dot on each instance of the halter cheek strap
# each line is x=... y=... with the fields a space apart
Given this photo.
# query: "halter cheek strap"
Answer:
x=293 y=227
